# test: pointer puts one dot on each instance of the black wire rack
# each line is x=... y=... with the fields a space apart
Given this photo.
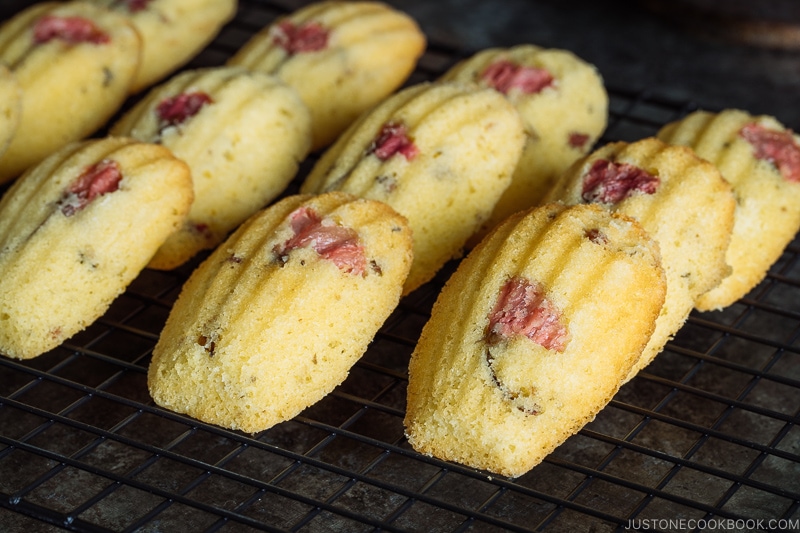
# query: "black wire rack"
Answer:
x=705 y=438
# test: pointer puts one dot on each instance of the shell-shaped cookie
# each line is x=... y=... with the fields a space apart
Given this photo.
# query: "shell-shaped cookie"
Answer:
x=10 y=107
x=76 y=229
x=680 y=199
x=172 y=31
x=75 y=62
x=243 y=134
x=441 y=154
x=761 y=159
x=276 y=316
x=563 y=104
x=342 y=57
x=531 y=336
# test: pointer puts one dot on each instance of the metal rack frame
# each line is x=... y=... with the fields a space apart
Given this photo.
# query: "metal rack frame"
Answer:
x=708 y=432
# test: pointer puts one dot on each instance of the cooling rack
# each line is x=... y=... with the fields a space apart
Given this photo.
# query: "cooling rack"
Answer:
x=705 y=438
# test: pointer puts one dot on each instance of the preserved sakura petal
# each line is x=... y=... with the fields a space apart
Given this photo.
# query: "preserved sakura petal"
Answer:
x=69 y=29
x=392 y=139
x=609 y=183
x=100 y=178
x=335 y=243
x=523 y=309
x=505 y=75
x=202 y=229
x=596 y=236
x=777 y=147
x=578 y=140
x=134 y=5
x=177 y=109
x=308 y=37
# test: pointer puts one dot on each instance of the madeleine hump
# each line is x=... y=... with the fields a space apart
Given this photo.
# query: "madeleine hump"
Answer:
x=274 y=319
x=76 y=229
x=532 y=336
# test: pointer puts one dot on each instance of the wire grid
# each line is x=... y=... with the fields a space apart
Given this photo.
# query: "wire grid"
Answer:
x=707 y=432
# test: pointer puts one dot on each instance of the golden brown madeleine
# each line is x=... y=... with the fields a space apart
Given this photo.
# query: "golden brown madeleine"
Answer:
x=276 y=316
x=680 y=199
x=75 y=63
x=76 y=229
x=563 y=104
x=441 y=154
x=342 y=57
x=532 y=336
x=243 y=135
x=172 y=31
x=10 y=107
x=761 y=160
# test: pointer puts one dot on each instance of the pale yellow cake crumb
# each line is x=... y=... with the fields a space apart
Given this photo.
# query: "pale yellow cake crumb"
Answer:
x=343 y=58
x=70 y=85
x=10 y=107
x=680 y=199
x=172 y=32
x=500 y=377
x=441 y=154
x=274 y=319
x=76 y=229
x=243 y=135
x=564 y=106
x=767 y=202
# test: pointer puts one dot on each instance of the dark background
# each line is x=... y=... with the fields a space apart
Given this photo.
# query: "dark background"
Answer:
x=709 y=430
x=681 y=54
x=677 y=52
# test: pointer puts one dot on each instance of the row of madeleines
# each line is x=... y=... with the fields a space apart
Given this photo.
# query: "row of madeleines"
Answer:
x=190 y=160
x=632 y=236
x=67 y=67
x=241 y=129
x=517 y=355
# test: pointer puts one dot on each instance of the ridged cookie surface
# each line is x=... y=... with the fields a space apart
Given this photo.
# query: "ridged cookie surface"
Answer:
x=275 y=318
x=441 y=154
x=76 y=229
x=10 y=107
x=563 y=104
x=342 y=57
x=761 y=159
x=172 y=31
x=243 y=135
x=75 y=63
x=680 y=199
x=531 y=336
